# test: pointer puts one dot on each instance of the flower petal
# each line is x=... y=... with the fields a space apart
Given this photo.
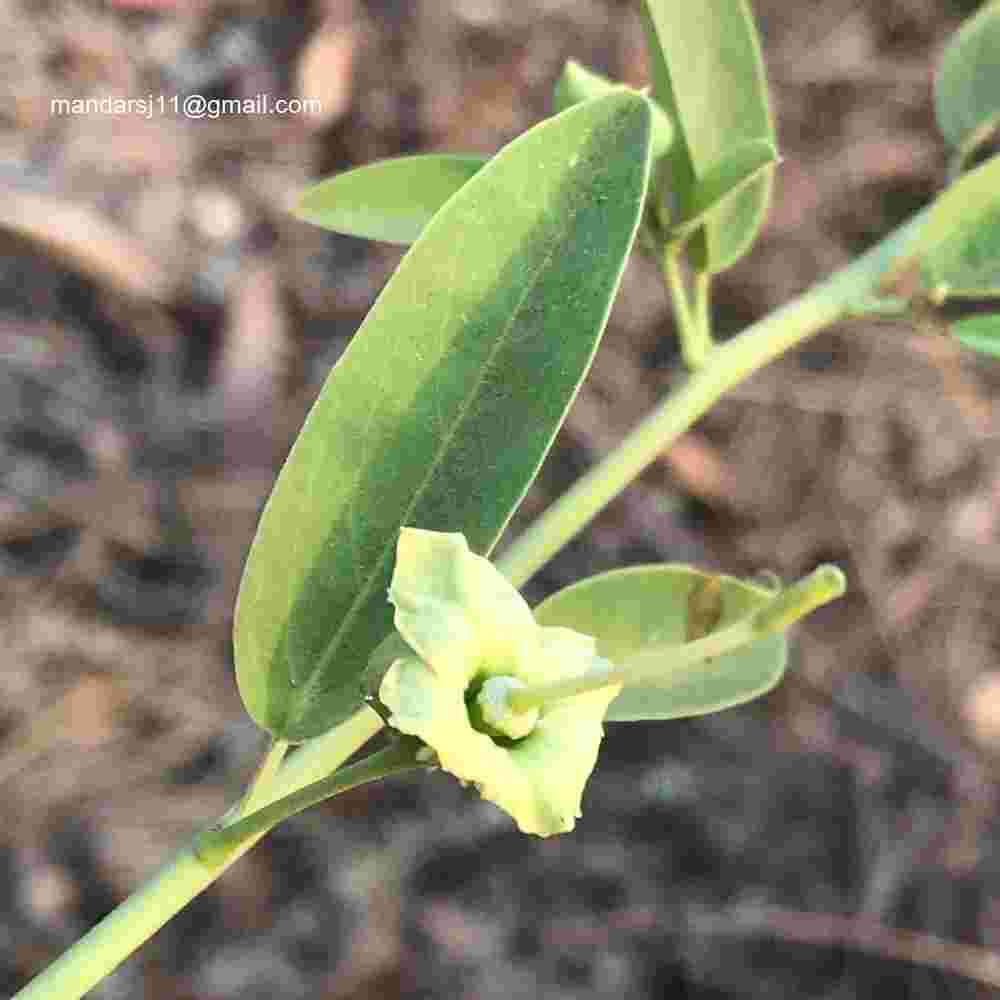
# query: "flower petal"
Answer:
x=456 y=610
x=426 y=705
x=555 y=762
x=560 y=652
x=538 y=781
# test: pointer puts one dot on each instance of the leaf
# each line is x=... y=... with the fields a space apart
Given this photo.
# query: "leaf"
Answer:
x=704 y=608
x=577 y=83
x=442 y=408
x=740 y=167
x=708 y=74
x=967 y=263
x=967 y=84
x=980 y=333
x=389 y=200
x=629 y=609
x=958 y=248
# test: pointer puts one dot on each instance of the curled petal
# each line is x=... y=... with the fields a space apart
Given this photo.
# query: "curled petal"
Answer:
x=537 y=780
x=455 y=609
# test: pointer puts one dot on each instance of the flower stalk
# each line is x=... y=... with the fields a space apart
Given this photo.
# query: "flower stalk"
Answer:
x=787 y=606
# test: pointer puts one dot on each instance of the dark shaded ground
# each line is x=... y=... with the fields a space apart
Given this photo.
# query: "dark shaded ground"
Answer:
x=164 y=326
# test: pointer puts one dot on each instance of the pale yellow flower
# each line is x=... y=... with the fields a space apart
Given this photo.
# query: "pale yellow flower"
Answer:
x=469 y=628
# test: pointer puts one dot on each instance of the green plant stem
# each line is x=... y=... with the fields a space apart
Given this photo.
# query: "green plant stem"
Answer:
x=110 y=942
x=222 y=842
x=695 y=339
x=889 y=306
x=634 y=672
x=730 y=363
x=702 y=310
x=257 y=792
x=824 y=584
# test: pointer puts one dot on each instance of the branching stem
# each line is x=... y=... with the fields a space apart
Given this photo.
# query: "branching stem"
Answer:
x=844 y=293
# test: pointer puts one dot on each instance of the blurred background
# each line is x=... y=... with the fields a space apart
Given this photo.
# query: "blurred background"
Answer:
x=164 y=326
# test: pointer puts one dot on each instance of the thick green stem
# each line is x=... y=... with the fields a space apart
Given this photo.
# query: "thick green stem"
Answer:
x=729 y=364
x=108 y=944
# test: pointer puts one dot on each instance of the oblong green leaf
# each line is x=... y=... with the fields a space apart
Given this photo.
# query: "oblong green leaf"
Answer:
x=741 y=166
x=967 y=84
x=630 y=609
x=708 y=73
x=958 y=248
x=577 y=83
x=980 y=333
x=389 y=200
x=440 y=411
